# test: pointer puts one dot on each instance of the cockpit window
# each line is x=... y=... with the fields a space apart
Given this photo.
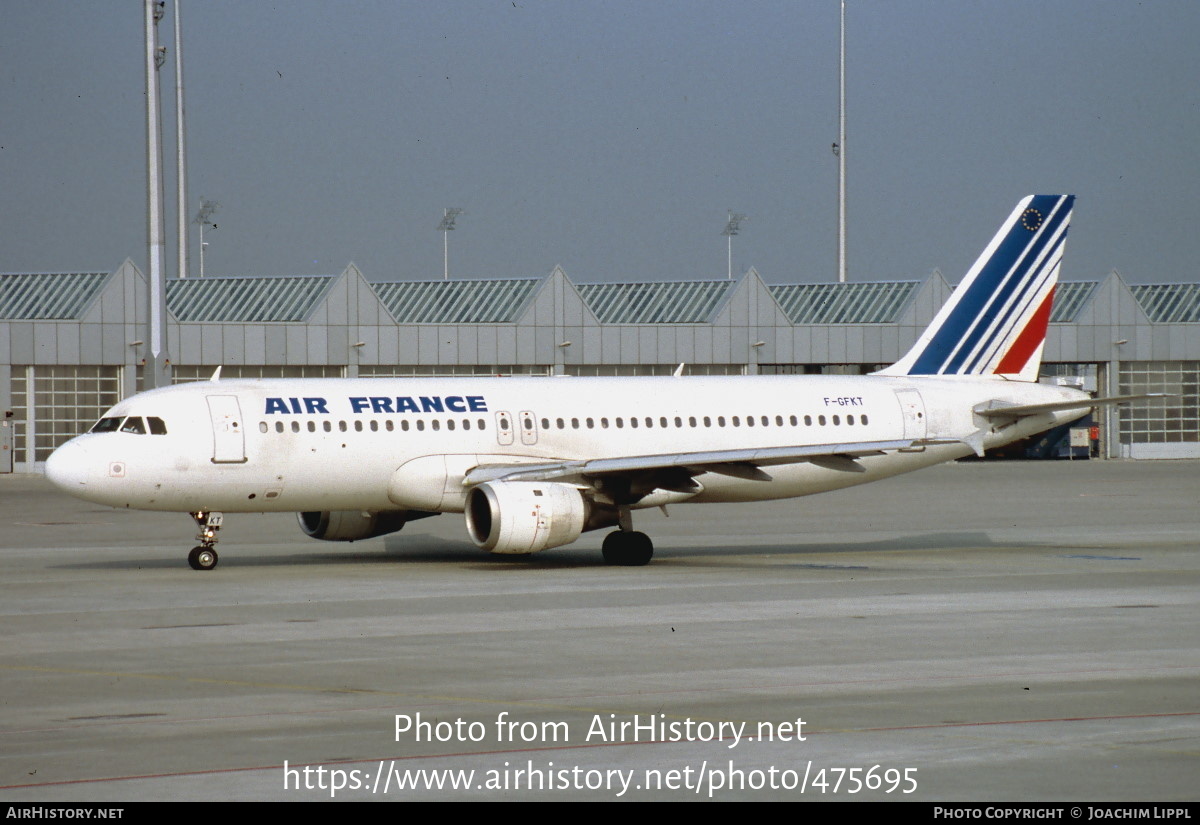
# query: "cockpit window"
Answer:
x=157 y=425
x=106 y=425
x=134 y=424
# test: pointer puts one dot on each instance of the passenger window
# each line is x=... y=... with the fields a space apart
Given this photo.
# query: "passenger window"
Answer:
x=620 y=423
x=327 y=426
x=793 y=420
x=157 y=426
x=404 y=425
x=691 y=421
x=342 y=426
x=389 y=425
x=766 y=422
x=262 y=426
x=863 y=419
x=421 y=425
x=278 y=426
x=633 y=421
x=558 y=422
x=437 y=425
x=720 y=421
x=358 y=426
x=836 y=421
x=604 y=423
x=779 y=420
x=808 y=421
x=749 y=421
x=821 y=420
x=466 y=423
x=295 y=426
x=678 y=421
x=374 y=425
x=662 y=421
x=850 y=419
x=590 y=423
x=133 y=424
x=649 y=421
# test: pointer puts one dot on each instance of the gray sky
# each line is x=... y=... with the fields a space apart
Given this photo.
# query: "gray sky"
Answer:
x=609 y=137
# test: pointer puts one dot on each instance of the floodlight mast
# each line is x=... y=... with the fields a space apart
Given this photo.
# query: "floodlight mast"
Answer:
x=732 y=228
x=839 y=149
x=154 y=373
x=180 y=153
x=449 y=214
x=204 y=218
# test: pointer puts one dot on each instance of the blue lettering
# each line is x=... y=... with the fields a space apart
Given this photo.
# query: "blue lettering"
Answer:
x=295 y=405
x=454 y=403
x=476 y=403
x=359 y=404
x=431 y=404
x=381 y=405
x=406 y=404
x=275 y=405
x=312 y=406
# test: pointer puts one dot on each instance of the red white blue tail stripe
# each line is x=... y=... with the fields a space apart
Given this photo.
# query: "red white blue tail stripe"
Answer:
x=995 y=322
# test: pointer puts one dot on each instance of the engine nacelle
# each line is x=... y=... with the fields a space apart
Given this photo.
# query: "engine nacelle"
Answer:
x=351 y=525
x=524 y=516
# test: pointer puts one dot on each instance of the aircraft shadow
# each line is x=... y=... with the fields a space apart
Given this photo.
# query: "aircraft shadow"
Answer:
x=432 y=550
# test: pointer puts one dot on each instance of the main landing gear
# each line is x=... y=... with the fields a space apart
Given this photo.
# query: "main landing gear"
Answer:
x=204 y=556
x=627 y=547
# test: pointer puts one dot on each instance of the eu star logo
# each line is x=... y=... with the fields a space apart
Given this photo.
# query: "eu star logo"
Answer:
x=1031 y=219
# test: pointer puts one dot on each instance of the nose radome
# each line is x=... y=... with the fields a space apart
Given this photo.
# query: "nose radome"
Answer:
x=66 y=468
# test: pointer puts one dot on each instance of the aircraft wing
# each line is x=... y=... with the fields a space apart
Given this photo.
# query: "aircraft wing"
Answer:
x=995 y=409
x=738 y=463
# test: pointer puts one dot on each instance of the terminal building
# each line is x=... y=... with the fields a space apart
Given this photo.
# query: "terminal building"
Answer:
x=72 y=344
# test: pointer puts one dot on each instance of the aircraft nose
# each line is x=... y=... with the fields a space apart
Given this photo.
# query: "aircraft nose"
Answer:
x=67 y=467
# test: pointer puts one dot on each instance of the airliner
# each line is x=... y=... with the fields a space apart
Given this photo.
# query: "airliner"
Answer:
x=532 y=463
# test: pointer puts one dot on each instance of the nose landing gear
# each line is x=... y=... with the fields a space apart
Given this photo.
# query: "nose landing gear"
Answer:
x=204 y=556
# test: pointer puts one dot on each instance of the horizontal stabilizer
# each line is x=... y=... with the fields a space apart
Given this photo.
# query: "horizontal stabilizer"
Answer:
x=995 y=409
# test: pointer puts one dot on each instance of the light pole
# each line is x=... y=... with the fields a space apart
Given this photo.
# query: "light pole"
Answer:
x=731 y=229
x=839 y=149
x=448 y=216
x=204 y=218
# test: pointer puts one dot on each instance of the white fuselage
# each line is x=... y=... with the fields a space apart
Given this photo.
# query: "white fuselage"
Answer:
x=389 y=444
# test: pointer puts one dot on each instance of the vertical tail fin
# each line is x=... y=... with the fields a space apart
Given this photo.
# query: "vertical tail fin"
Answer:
x=995 y=322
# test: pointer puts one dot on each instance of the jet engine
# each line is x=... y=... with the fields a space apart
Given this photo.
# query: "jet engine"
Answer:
x=524 y=516
x=351 y=525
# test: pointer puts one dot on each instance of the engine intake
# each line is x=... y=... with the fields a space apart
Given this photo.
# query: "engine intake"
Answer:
x=524 y=516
